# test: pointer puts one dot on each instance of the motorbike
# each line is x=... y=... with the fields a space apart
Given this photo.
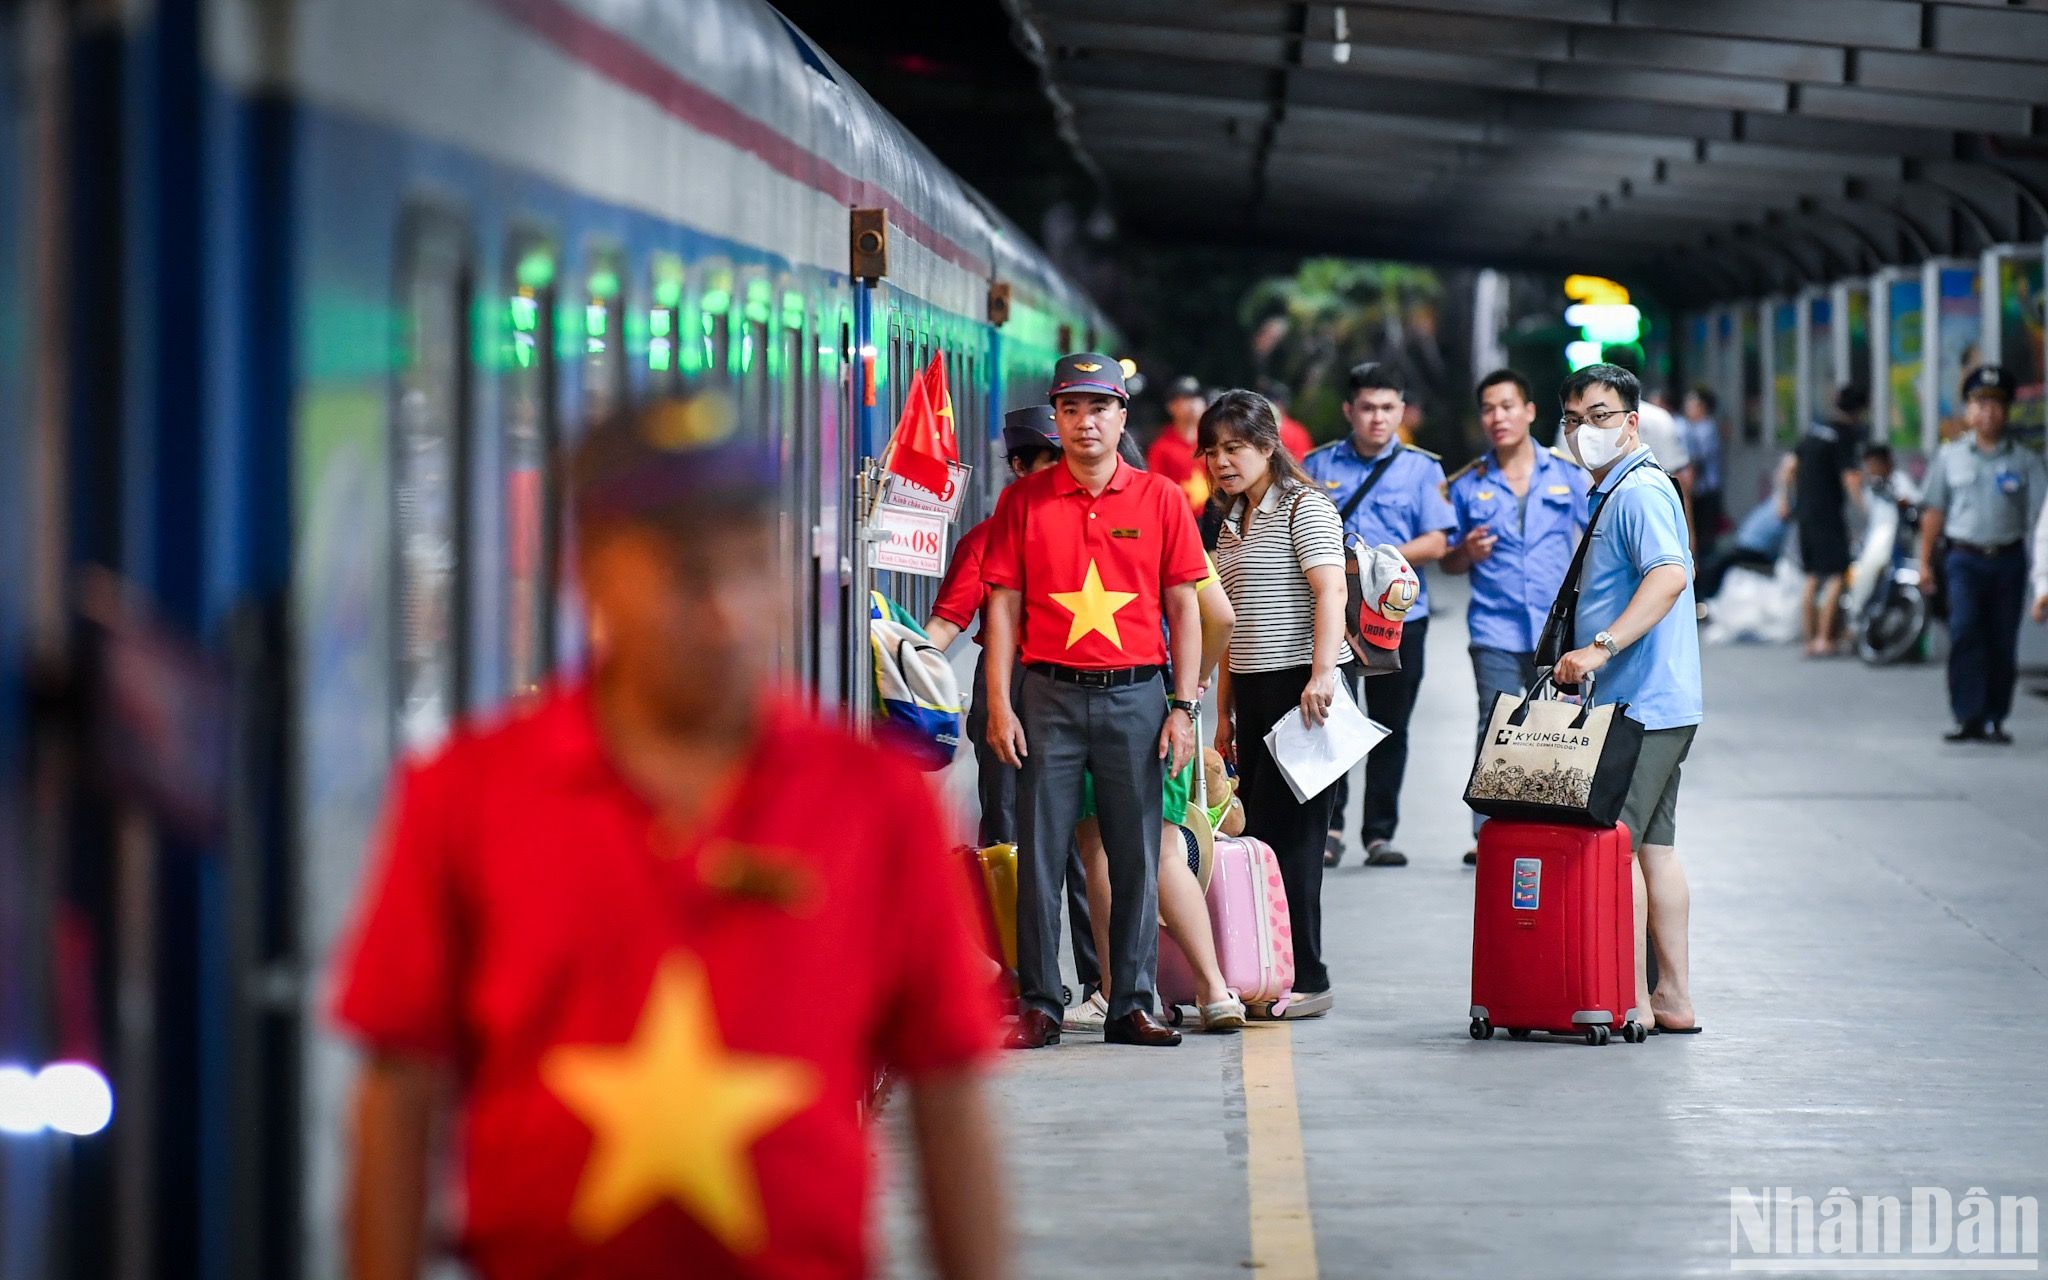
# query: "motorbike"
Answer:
x=1889 y=610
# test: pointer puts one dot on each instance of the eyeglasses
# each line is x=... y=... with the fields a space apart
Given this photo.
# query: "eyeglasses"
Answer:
x=1597 y=418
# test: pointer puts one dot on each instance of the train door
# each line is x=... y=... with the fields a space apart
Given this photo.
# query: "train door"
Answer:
x=603 y=319
x=529 y=520
x=800 y=472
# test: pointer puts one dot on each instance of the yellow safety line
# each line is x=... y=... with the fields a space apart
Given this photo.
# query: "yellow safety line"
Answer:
x=1283 y=1235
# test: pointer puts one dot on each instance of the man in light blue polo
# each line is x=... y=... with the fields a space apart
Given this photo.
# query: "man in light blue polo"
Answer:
x=1637 y=636
x=1520 y=511
x=1393 y=493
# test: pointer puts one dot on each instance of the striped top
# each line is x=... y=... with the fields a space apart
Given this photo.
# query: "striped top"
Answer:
x=1266 y=576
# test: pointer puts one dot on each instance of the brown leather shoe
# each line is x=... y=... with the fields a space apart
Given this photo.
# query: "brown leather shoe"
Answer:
x=1138 y=1027
x=1035 y=1029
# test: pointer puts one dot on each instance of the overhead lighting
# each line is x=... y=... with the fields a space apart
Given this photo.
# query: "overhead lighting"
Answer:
x=65 y=1097
x=1580 y=354
x=1340 y=53
x=1605 y=321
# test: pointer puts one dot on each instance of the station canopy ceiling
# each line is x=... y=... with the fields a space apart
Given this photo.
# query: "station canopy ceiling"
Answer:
x=1703 y=148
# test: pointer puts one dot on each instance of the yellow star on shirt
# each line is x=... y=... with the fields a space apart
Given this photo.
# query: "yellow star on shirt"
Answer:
x=673 y=1115
x=1093 y=608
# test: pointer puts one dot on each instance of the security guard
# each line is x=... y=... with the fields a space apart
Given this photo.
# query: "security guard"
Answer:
x=1032 y=442
x=1983 y=494
x=1387 y=492
x=1520 y=511
x=1086 y=560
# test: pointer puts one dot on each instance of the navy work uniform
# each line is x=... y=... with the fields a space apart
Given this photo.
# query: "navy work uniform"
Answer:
x=1989 y=497
x=1407 y=503
x=1535 y=533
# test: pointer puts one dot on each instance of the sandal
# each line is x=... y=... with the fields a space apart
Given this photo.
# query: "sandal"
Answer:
x=1227 y=1014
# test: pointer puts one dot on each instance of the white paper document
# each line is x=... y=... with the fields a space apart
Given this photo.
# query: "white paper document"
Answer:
x=1313 y=757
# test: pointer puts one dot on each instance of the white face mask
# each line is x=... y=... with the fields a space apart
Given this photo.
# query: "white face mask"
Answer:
x=1597 y=446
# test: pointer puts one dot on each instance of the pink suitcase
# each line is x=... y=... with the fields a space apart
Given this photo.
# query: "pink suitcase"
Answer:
x=1248 y=916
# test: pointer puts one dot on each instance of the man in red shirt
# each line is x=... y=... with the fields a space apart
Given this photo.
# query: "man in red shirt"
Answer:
x=1173 y=453
x=1032 y=440
x=653 y=934
x=1293 y=436
x=1087 y=559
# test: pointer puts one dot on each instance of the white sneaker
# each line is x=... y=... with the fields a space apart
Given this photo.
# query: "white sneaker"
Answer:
x=1089 y=1015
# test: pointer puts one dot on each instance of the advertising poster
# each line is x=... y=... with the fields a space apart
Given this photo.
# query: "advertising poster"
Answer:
x=1903 y=363
x=1961 y=325
x=1857 y=318
x=1785 y=371
x=2019 y=348
x=1820 y=362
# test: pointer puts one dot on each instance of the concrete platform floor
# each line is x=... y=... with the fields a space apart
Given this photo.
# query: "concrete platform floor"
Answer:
x=1870 y=964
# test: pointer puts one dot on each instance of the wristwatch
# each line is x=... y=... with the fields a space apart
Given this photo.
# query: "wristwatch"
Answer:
x=1183 y=704
x=1606 y=641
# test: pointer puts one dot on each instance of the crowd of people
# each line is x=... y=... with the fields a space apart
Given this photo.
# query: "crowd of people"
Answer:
x=1103 y=624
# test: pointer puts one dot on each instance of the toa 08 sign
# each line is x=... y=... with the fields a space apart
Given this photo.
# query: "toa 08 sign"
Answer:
x=909 y=541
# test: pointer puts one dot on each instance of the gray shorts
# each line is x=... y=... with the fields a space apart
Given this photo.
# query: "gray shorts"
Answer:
x=1651 y=810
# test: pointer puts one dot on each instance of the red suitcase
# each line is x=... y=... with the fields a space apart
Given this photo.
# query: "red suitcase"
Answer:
x=1553 y=921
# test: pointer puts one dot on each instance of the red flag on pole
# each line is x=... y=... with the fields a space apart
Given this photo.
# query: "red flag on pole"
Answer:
x=923 y=446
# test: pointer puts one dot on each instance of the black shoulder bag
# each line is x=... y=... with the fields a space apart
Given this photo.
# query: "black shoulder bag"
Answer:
x=1563 y=622
x=1372 y=478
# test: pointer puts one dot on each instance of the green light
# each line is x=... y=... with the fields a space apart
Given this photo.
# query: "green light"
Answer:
x=536 y=269
x=658 y=355
x=715 y=302
x=792 y=310
x=659 y=322
x=525 y=313
x=747 y=352
x=668 y=292
x=596 y=319
x=604 y=283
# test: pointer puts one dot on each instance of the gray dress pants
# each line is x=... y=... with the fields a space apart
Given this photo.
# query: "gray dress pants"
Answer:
x=1113 y=733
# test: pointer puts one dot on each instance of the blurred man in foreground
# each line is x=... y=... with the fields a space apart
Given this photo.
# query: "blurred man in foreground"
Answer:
x=651 y=937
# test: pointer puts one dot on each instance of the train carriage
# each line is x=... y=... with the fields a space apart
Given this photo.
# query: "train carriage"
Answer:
x=343 y=277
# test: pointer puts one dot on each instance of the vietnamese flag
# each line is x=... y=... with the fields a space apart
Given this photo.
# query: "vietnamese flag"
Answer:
x=923 y=446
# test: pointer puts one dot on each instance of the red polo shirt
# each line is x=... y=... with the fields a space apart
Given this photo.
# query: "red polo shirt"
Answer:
x=1176 y=458
x=962 y=591
x=1093 y=570
x=1295 y=438
x=661 y=1036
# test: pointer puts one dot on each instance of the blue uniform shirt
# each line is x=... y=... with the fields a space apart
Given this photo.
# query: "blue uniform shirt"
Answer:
x=1640 y=524
x=1513 y=588
x=1407 y=502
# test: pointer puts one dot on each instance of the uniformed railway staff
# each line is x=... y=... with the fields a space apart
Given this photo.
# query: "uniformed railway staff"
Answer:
x=1388 y=492
x=1031 y=440
x=1983 y=494
x=1520 y=510
x=1085 y=560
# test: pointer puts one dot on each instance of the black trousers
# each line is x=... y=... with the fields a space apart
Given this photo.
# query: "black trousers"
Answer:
x=1271 y=813
x=996 y=783
x=1389 y=699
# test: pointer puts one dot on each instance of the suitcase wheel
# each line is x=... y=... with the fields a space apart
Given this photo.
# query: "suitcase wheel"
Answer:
x=1066 y=996
x=1519 y=1033
x=1481 y=1029
x=1174 y=1016
x=1634 y=1032
x=1598 y=1035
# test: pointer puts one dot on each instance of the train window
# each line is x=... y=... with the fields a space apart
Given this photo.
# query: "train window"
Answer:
x=428 y=491
x=664 y=327
x=530 y=433
x=604 y=352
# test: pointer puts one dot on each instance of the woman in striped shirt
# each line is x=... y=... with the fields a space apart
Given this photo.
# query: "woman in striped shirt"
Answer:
x=1281 y=555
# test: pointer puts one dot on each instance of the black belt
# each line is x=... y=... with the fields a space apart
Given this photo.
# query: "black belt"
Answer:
x=1094 y=677
x=1979 y=549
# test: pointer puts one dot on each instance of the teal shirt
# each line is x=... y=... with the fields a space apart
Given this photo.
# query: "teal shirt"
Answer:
x=1639 y=524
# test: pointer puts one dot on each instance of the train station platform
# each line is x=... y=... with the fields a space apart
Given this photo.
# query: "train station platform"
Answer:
x=1868 y=963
